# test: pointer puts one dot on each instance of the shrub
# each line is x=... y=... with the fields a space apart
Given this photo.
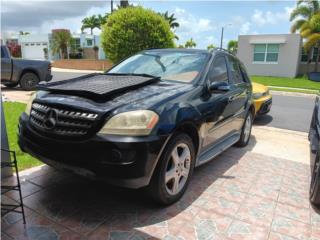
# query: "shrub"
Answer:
x=130 y=30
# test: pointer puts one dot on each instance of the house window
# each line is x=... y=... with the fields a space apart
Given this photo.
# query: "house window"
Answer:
x=315 y=53
x=76 y=43
x=89 y=42
x=266 y=53
x=304 y=55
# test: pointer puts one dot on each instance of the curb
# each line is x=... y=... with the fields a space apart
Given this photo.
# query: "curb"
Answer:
x=284 y=131
x=293 y=94
x=74 y=70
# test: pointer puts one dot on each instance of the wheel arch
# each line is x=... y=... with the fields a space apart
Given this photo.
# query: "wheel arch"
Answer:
x=26 y=70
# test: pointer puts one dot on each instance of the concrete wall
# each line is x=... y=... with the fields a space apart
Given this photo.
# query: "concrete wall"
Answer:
x=288 y=57
x=82 y=64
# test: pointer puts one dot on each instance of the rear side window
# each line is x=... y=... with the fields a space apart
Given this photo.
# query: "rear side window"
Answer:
x=3 y=54
x=235 y=71
x=218 y=71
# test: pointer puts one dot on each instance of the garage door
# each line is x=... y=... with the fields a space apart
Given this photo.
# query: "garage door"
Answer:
x=33 y=50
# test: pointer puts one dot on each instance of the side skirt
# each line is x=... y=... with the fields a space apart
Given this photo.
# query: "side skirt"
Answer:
x=217 y=148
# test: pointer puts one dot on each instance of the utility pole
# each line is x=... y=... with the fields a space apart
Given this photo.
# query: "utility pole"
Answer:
x=222 y=29
x=111 y=6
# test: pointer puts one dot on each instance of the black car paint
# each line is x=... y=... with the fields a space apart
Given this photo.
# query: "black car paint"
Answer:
x=209 y=117
x=314 y=138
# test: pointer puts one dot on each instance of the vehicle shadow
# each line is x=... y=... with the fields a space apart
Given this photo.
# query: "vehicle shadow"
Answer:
x=98 y=211
x=263 y=120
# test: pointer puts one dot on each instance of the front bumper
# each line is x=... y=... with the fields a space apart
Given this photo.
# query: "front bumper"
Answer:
x=263 y=105
x=48 y=77
x=119 y=160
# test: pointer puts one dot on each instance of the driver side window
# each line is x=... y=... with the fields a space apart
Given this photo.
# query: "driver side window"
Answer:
x=218 y=71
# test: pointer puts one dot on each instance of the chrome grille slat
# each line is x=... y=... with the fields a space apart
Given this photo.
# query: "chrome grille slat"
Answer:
x=67 y=122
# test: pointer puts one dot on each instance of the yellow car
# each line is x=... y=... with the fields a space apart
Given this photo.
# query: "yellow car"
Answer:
x=262 y=98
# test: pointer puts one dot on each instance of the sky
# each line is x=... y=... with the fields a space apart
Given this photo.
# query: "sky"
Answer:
x=200 y=20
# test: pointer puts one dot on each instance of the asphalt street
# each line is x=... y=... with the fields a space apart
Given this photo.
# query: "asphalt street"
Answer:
x=287 y=112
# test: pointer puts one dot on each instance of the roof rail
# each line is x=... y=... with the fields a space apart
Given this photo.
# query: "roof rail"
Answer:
x=222 y=50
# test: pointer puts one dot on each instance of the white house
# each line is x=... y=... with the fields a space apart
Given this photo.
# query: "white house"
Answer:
x=33 y=45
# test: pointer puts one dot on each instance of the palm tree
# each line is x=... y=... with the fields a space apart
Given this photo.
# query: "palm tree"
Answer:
x=102 y=20
x=210 y=47
x=300 y=16
x=303 y=12
x=170 y=19
x=61 y=41
x=310 y=31
x=233 y=46
x=190 y=43
x=91 y=23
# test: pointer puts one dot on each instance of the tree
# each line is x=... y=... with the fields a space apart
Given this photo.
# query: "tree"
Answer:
x=233 y=46
x=310 y=31
x=102 y=20
x=170 y=19
x=190 y=43
x=301 y=17
x=210 y=47
x=23 y=33
x=302 y=13
x=132 y=29
x=91 y=23
x=61 y=41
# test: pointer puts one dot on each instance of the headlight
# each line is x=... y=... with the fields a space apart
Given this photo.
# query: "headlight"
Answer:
x=29 y=104
x=134 y=123
x=257 y=95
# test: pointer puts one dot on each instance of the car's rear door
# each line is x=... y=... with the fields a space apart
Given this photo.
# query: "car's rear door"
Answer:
x=240 y=93
x=5 y=65
x=219 y=111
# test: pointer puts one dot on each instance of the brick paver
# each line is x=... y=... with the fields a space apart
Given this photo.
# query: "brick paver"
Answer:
x=238 y=195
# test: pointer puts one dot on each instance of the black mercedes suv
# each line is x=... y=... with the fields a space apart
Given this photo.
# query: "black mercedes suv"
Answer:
x=147 y=122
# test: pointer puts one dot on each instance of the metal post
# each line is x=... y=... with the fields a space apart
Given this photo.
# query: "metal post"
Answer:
x=221 y=37
x=111 y=6
x=5 y=156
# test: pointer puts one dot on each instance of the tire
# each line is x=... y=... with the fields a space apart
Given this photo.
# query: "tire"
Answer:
x=314 y=192
x=10 y=85
x=166 y=192
x=246 y=131
x=29 y=81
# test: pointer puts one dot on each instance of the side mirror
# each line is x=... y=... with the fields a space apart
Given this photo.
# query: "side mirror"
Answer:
x=219 y=87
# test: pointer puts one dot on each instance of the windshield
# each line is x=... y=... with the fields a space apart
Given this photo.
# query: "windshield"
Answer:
x=175 y=66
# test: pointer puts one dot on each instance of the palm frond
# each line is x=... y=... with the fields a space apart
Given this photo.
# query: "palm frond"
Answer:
x=301 y=11
x=312 y=41
x=297 y=25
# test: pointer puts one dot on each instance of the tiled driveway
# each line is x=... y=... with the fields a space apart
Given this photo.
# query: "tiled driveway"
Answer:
x=239 y=195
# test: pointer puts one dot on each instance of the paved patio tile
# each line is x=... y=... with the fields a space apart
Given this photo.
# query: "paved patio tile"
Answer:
x=255 y=216
x=296 y=213
x=291 y=228
x=244 y=231
x=293 y=200
x=239 y=195
x=279 y=236
x=39 y=227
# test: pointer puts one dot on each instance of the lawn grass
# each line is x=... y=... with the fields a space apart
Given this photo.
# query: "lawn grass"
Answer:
x=300 y=82
x=12 y=112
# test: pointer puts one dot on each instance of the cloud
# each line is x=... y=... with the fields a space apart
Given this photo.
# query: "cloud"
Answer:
x=261 y=18
x=245 y=27
x=32 y=15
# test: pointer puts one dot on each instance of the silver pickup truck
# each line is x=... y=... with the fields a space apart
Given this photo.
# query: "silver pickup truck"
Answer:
x=27 y=73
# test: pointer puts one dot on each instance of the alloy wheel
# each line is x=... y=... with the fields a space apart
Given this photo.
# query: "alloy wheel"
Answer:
x=247 y=128
x=178 y=168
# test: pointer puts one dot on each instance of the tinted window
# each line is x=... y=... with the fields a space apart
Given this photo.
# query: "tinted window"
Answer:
x=218 y=71
x=244 y=73
x=235 y=71
x=3 y=55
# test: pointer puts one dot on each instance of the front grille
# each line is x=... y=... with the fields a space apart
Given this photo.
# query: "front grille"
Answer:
x=62 y=122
